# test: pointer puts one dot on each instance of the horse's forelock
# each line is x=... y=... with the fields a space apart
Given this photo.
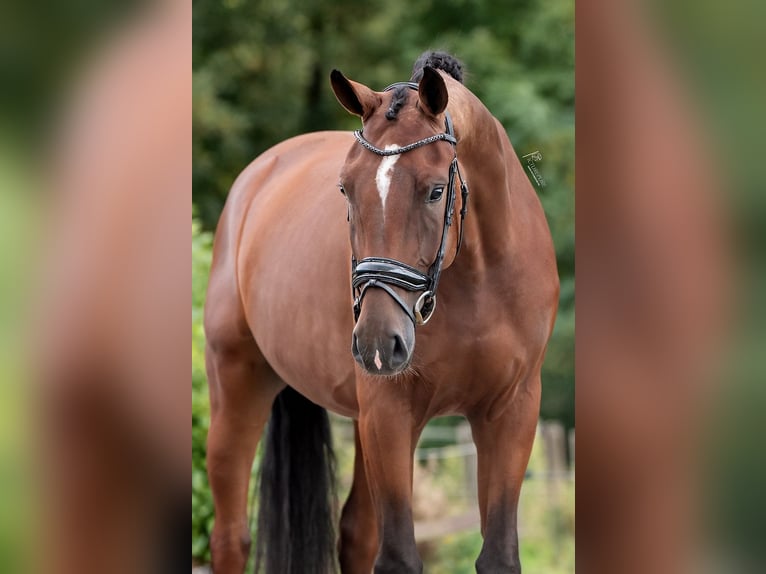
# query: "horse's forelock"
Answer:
x=398 y=100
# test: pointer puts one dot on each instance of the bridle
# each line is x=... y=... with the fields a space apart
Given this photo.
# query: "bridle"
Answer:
x=382 y=272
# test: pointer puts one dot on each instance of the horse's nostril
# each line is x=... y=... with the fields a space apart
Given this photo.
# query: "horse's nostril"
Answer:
x=355 y=347
x=399 y=353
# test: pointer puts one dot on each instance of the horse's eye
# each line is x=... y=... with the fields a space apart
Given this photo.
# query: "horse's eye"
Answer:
x=342 y=189
x=436 y=193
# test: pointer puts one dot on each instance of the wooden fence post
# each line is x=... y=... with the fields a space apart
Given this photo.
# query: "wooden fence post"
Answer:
x=554 y=438
x=464 y=436
x=571 y=448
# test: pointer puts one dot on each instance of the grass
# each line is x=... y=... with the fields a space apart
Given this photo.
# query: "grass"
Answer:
x=546 y=535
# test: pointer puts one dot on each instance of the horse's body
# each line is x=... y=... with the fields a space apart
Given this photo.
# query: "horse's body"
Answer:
x=289 y=193
x=279 y=313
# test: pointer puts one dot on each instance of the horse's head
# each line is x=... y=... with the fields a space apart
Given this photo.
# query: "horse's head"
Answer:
x=398 y=179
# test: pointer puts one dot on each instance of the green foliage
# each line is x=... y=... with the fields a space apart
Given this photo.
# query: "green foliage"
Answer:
x=202 y=502
x=457 y=554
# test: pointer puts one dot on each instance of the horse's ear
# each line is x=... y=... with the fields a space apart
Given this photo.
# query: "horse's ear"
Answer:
x=356 y=98
x=432 y=92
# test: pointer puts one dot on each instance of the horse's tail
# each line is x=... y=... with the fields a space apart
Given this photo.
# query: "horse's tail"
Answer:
x=296 y=515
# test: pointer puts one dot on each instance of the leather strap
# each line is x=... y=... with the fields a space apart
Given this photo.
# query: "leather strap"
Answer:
x=409 y=147
x=394 y=295
x=390 y=271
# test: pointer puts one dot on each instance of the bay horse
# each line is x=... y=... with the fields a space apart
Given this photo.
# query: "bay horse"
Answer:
x=314 y=301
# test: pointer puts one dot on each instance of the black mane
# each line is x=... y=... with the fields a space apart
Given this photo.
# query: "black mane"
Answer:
x=436 y=60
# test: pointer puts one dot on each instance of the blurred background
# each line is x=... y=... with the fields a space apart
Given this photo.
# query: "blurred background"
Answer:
x=261 y=75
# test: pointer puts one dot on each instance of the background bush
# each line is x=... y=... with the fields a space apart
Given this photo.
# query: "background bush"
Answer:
x=202 y=501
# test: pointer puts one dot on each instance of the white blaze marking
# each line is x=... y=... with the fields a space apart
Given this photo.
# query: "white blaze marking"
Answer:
x=383 y=177
x=378 y=362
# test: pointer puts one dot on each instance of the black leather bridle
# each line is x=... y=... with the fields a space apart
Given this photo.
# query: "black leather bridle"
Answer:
x=382 y=272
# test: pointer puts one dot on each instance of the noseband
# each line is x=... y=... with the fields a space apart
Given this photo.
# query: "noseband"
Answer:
x=382 y=272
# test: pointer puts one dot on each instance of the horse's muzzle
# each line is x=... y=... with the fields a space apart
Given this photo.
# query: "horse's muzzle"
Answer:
x=383 y=351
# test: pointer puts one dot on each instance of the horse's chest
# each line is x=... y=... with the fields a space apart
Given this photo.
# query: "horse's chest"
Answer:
x=470 y=367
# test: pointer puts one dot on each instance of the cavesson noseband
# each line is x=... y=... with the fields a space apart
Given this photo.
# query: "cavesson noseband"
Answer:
x=382 y=272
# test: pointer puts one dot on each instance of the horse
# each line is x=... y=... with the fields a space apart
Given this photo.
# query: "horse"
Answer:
x=359 y=273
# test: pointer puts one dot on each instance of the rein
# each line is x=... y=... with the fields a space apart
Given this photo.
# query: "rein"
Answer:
x=383 y=272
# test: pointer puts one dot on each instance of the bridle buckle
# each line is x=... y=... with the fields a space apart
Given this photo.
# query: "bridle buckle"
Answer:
x=424 y=307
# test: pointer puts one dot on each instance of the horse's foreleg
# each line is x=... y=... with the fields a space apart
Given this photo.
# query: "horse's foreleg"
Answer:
x=503 y=444
x=388 y=434
x=358 y=542
x=241 y=394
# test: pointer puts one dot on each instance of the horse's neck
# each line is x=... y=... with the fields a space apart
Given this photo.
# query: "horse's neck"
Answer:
x=486 y=158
